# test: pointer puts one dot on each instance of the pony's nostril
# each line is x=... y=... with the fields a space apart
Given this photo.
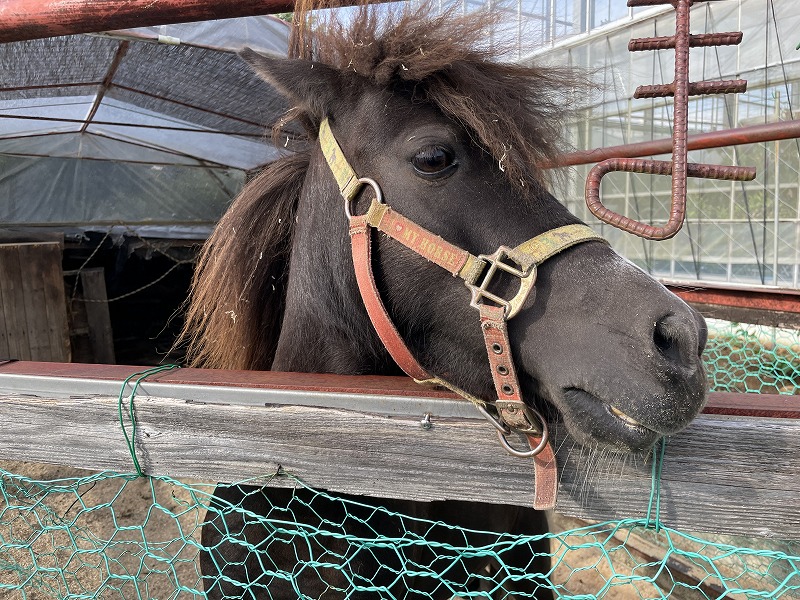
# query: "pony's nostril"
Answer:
x=677 y=339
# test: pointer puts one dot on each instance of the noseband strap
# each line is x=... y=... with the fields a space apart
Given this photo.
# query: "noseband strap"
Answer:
x=512 y=414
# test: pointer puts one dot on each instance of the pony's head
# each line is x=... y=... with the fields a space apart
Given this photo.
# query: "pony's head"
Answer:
x=455 y=139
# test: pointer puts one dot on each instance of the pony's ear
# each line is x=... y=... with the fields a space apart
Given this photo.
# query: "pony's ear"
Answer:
x=313 y=86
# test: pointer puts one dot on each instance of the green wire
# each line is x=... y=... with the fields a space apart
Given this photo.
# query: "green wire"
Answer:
x=130 y=440
x=655 y=486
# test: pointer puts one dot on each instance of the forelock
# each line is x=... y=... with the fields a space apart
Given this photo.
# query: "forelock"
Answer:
x=513 y=112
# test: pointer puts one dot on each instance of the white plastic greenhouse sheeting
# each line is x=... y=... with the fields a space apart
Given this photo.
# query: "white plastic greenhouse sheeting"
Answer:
x=264 y=34
x=164 y=144
x=64 y=192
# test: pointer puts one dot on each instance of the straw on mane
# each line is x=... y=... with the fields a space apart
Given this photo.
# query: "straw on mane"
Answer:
x=515 y=113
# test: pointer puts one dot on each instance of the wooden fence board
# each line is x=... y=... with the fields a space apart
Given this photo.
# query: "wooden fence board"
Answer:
x=727 y=474
x=34 y=262
x=33 y=302
x=5 y=350
x=55 y=303
x=13 y=302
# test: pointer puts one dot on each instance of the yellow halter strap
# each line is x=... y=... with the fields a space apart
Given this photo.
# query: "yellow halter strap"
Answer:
x=527 y=255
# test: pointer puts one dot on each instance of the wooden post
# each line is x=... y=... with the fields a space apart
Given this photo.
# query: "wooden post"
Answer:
x=101 y=337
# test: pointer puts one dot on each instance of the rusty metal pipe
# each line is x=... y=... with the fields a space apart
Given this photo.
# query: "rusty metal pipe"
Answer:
x=770 y=132
x=32 y=19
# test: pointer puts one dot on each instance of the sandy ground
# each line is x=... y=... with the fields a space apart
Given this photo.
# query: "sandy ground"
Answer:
x=126 y=512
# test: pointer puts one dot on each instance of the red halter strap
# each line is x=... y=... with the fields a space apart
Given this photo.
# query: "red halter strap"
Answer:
x=512 y=412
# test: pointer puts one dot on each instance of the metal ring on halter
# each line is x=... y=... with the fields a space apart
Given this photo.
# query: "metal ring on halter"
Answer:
x=525 y=453
x=503 y=430
x=375 y=188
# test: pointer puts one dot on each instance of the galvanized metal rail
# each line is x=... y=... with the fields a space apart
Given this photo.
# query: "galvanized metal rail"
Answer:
x=376 y=394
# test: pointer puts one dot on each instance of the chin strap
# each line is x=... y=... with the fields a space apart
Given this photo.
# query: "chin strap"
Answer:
x=477 y=272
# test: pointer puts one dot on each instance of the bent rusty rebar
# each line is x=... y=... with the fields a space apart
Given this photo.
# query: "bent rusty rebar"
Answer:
x=653 y=167
x=681 y=88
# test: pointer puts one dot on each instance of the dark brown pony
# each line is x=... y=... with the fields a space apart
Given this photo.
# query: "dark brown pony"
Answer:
x=453 y=136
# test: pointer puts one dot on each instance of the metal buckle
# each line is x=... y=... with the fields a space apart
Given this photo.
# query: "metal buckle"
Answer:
x=503 y=430
x=526 y=274
x=519 y=416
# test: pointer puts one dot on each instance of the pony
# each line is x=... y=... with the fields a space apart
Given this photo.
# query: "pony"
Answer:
x=456 y=139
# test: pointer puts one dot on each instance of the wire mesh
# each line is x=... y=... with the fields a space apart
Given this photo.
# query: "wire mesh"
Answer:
x=744 y=358
x=79 y=538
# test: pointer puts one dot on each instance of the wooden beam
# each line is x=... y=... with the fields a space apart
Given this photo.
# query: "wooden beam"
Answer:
x=95 y=299
x=122 y=50
x=726 y=474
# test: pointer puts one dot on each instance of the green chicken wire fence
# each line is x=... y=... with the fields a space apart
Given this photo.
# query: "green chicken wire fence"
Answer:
x=112 y=535
x=80 y=538
x=752 y=358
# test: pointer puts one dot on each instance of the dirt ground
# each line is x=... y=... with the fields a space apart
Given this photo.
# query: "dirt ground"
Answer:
x=126 y=512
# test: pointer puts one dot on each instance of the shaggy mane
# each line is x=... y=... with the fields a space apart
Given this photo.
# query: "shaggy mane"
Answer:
x=239 y=286
x=515 y=113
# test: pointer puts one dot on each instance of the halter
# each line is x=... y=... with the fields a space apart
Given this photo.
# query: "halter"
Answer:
x=477 y=272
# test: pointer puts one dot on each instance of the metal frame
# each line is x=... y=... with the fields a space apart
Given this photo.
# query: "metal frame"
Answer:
x=760 y=306
x=28 y=19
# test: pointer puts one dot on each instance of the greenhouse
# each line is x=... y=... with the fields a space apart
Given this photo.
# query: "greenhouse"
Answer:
x=149 y=130
x=742 y=233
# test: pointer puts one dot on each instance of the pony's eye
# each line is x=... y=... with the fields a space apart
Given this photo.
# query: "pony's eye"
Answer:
x=434 y=161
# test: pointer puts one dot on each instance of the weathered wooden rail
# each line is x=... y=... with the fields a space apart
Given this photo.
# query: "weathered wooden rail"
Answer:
x=729 y=472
